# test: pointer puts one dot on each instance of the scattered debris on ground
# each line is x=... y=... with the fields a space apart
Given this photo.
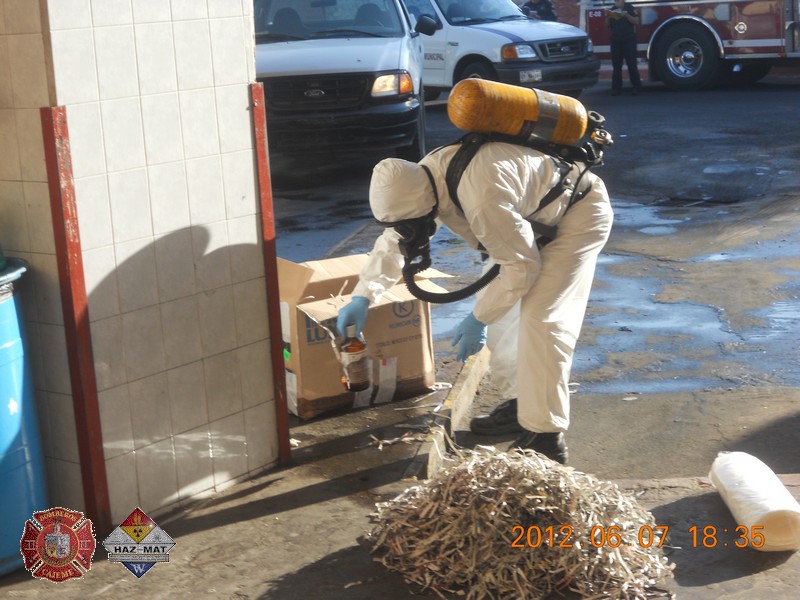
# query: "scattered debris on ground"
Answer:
x=512 y=525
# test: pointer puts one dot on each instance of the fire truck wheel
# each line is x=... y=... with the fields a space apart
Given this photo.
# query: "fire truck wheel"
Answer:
x=748 y=73
x=687 y=58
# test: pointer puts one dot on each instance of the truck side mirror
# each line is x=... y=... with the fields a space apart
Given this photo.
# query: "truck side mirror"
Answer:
x=426 y=25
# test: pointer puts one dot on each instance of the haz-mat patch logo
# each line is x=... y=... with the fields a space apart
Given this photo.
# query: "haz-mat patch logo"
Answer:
x=57 y=544
x=138 y=543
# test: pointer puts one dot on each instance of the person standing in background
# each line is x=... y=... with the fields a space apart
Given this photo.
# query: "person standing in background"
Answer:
x=622 y=19
x=540 y=9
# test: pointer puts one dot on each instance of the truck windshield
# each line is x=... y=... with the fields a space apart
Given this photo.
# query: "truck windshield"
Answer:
x=289 y=20
x=459 y=12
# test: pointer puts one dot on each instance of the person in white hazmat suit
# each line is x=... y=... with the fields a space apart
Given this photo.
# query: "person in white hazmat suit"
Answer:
x=538 y=296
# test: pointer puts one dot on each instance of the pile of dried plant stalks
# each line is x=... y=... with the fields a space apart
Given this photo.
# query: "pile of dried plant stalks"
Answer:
x=454 y=533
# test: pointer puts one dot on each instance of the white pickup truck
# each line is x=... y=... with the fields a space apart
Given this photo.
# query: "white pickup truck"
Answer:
x=493 y=39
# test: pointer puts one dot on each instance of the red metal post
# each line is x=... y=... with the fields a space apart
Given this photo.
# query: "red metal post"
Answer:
x=270 y=269
x=76 y=316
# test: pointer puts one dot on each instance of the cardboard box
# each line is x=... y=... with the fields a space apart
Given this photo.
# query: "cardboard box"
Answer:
x=398 y=336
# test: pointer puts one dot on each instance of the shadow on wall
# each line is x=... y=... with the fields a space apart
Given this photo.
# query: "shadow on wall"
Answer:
x=182 y=362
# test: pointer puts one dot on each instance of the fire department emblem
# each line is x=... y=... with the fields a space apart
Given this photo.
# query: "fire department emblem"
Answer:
x=57 y=544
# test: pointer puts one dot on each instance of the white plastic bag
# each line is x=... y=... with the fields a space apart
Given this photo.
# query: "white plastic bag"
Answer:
x=756 y=497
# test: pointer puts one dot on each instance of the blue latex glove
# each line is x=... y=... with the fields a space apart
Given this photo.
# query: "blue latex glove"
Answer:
x=470 y=337
x=354 y=313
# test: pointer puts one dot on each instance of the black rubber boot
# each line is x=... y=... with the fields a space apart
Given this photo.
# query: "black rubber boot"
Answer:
x=552 y=445
x=503 y=419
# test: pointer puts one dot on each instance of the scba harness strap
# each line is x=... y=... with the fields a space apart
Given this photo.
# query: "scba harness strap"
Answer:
x=571 y=162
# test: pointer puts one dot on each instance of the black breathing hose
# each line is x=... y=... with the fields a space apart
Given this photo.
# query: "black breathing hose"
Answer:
x=410 y=270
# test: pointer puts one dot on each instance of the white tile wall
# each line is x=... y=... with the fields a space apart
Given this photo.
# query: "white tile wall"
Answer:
x=162 y=128
x=148 y=11
x=47 y=295
x=28 y=77
x=244 y=234
x=193 y=54
x=143 y=342
x=188 y=9
x=6 y=90
x=130 y=208
x=22 y=16
x=40 y=218
x=217 y=323
x=13 y=216
x=53 y=350
x=249 y=300
x=261 y=449
x=136 y=274
x=86 y=141
x=111 y=12
x=182 y=341
x=149 y=401
x=175 y=265
x=123 y=134
x=206 y=201
x=64 y=484
x=255 y=371
x=211 y=256
x=233 y=117
x=100 y=274
x=9 y=167
x=31 y=149
x=69 y=14
x=228 y=54
x=116 y=62
x=169 y=197
x=160 y=135
x=117 y=421
x=193 y=458
x=74 y=66
x=198 y=116
x=155 y=55
x=228 y=448
x=60 y=413
x=187 y=397
x=94 y=212
x=223 y=385
x=123 y=485
x=224 y=8
x=157 y=476
x=239 y=180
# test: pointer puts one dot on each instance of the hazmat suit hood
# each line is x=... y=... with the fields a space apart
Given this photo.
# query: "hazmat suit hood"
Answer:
x=400 y=190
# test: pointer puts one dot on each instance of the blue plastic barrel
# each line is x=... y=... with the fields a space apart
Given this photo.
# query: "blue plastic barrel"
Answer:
x=22 y=478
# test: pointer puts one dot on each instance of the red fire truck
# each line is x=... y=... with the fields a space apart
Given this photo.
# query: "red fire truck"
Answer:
x=696 y=44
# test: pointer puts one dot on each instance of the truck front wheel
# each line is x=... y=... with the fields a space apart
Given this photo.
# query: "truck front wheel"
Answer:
x=687 y=58
x=477 y=70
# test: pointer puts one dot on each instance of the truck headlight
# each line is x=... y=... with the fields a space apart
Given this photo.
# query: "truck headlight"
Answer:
x=519 y=52
x=590 y=46
x=392 y=84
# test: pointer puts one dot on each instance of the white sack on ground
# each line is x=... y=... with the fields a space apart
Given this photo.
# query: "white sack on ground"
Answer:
x=756 y=497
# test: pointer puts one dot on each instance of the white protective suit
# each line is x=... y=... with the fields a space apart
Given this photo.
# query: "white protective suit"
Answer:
x=503 y=184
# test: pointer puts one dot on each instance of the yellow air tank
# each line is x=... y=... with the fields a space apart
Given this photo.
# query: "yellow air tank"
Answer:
x=488 y=106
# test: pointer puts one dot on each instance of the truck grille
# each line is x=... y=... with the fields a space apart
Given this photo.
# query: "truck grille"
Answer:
x=315 y=92
x=561 y=50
